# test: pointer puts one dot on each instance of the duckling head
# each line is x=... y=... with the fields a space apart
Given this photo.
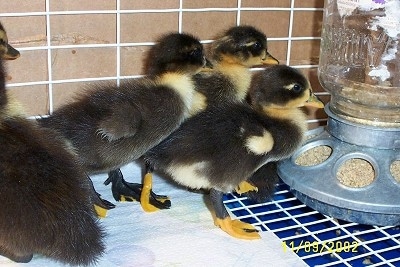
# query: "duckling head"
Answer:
x=6 y=50
x=176 y=52
x=281 y=87
x=244 y=45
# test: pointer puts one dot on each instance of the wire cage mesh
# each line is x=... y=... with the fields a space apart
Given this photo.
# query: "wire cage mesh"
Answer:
x=67 y=44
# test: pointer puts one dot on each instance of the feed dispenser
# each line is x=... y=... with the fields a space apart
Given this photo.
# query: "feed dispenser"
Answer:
x=350 y=169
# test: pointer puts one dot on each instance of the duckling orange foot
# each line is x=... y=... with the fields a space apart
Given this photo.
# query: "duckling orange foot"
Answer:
x=222 y=219
x=101 y=206
x=124 y=191
x=245 y=187
x=237 y=228
x=121 y=190
x=147 y=197
x=101 y=213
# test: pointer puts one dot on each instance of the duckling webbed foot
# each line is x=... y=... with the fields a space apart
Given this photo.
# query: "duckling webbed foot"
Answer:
x=245 y=187
x=234 y=228
x=265 y=178
x=124 y=191
x=101 y=206
x=147 y=196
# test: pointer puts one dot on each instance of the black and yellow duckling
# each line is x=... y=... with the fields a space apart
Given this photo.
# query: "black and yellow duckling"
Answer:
x=160 y=60
x=221 y=147
x=110 y=126
x=231 y=54
x=45 y=204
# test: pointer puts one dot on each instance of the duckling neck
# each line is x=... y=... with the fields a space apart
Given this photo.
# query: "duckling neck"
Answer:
x=295 y=115
x=11 y=109
x=181 y=83
x=239 y=75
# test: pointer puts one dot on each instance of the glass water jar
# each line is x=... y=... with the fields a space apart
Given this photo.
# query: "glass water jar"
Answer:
x=360 y=60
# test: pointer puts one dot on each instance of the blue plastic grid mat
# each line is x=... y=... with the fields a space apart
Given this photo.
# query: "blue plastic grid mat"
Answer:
x=317 y=239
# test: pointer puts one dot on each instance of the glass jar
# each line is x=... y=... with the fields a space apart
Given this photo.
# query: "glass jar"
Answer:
x=360 y=60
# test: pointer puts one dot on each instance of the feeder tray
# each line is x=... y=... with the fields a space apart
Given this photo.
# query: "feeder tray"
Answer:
x=355 y=178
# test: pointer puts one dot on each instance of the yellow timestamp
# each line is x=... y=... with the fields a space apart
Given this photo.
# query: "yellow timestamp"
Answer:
x=319 y=247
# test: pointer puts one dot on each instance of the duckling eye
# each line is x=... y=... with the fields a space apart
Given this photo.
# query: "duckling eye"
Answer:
x=196 y=53
x=297 y=88
x=256 y=45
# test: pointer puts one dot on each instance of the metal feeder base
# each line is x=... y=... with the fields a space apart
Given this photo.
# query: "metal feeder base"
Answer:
x=317 y=186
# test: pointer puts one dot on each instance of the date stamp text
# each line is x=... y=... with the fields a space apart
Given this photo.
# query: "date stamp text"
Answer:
x=320 y=247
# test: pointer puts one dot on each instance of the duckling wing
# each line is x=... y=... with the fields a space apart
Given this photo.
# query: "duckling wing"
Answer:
x=122 y=121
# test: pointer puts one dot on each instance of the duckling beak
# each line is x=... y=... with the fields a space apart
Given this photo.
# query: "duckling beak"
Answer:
x=269 y=59
x=314 y=101
x=11 y=53
x=208 y=64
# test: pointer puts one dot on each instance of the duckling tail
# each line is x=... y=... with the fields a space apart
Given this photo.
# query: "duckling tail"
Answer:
x=73 y=238
x=80 y=243
x=45 y=199
x=74 y=226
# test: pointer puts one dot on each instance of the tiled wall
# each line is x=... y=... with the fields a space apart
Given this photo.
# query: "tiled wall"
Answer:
x=108 y=39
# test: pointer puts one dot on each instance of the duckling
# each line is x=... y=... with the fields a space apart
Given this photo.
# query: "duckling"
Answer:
x=110 y=126
x=44 y=195
x=6 y=50
x=221 y=147
x=232 y=54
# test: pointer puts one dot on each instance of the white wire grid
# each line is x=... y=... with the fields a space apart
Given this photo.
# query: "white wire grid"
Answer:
x=317 y=239
x=49 y=47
